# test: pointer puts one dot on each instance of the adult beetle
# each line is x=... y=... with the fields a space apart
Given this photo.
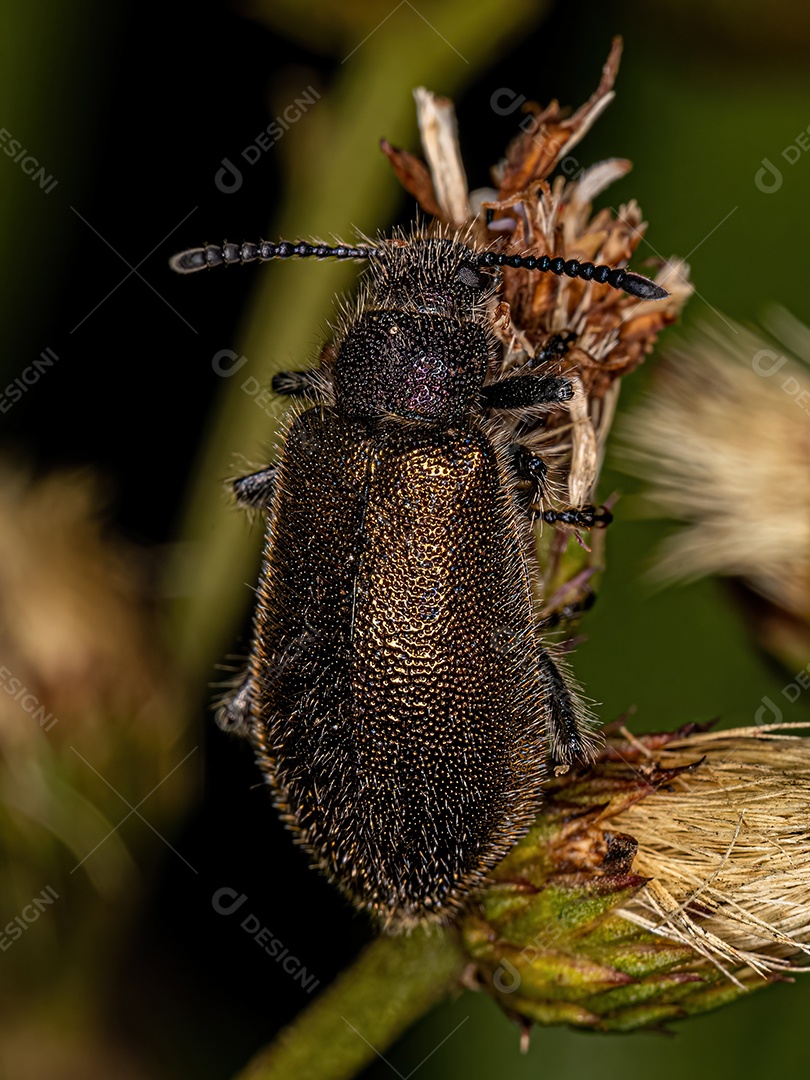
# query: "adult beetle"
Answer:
x=399 y=696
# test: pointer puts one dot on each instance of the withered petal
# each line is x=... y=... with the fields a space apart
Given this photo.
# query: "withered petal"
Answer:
x=414 y=176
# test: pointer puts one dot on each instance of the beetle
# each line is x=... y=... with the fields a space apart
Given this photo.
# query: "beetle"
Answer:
x=399 y=696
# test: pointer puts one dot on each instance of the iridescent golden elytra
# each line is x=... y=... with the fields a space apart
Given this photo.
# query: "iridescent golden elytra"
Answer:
x=399 y=696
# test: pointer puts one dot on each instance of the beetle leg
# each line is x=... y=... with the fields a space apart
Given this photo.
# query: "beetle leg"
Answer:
x=569 y=739
x=254 y=490
x=295 y=383
x=531 y=467
x=555 y=348
x=233 y=714
x=532 y=471
x=583 y=517
x=568 y=612
x=523 y=391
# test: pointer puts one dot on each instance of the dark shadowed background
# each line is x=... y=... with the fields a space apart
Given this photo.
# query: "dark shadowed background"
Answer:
x=125 y=113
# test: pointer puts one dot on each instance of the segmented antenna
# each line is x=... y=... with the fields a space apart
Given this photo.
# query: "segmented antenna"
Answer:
x=634 y=284
x=203 y=258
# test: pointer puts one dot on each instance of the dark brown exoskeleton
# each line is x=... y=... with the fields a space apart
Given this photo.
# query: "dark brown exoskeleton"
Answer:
x=398 y=693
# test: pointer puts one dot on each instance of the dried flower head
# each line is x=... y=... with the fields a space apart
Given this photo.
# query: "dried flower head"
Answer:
x=669 y=878
x=723 y=442
x=594 y=335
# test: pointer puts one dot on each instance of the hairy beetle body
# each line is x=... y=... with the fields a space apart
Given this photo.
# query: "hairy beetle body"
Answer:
x=398 y=693
x=398 y=698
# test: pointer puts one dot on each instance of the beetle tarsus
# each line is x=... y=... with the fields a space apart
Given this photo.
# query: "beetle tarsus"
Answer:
x=295 y=383
x=568 y=613
x=234 y=711
x=254 y=490
x=582 y=517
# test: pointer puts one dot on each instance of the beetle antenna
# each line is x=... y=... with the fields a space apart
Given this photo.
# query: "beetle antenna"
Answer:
x=202 y=258
x=634 y=284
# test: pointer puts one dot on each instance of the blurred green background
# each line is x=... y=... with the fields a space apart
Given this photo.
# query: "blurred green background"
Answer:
x=133 y=109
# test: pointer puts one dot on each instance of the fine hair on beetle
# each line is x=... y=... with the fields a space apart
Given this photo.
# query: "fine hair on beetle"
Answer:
x=400 y=697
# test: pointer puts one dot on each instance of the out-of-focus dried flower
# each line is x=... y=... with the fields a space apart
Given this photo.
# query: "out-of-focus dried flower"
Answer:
x=92 y=722
x=82 y=676
x=723 y=442
x=667 y=879
x=74 y=612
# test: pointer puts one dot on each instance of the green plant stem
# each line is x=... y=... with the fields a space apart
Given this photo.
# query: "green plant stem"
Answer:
x=391 y=984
